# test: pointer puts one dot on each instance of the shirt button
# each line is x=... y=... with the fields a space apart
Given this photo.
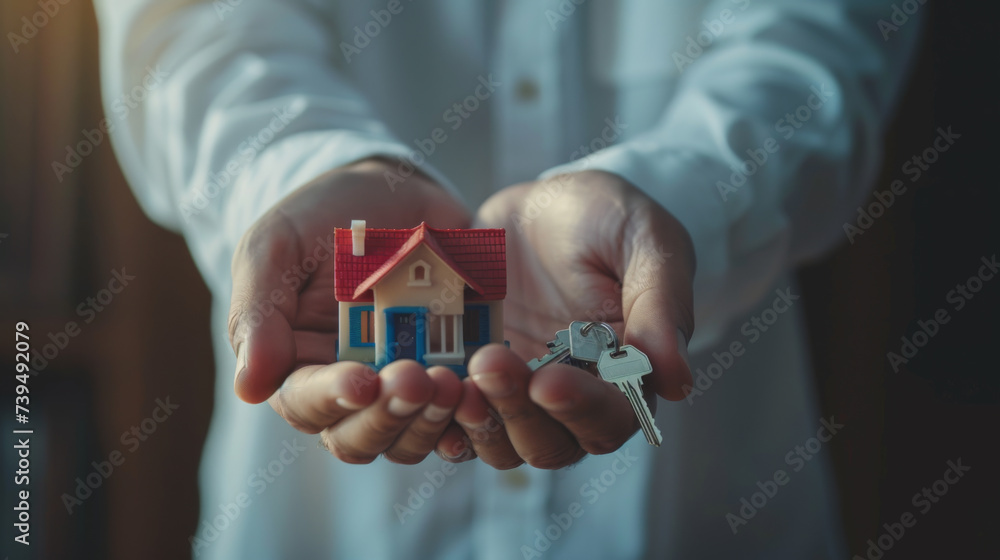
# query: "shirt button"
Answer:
x=515 y=478
x=526 y=90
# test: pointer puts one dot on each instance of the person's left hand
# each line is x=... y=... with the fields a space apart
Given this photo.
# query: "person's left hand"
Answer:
x=587 y=246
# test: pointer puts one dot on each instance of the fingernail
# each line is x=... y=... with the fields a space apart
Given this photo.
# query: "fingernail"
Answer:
x=682 y=348
x=401 y=408
x=435 y=413
x=241 y=361
x=473 y=427
x=461 y=456
x=557 y=406
x=495 y=385
x=344 y=403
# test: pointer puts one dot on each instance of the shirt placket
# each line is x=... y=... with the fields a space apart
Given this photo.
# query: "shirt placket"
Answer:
x=526 y=113
x=510 y=506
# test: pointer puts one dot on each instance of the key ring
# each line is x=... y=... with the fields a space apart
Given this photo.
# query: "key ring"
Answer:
x=611 y=331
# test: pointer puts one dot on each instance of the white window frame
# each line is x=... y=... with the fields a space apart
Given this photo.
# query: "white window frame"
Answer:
x=426 y=281
x=457 y=339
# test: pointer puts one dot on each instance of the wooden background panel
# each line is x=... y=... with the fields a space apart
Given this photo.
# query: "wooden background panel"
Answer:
x=64 y=239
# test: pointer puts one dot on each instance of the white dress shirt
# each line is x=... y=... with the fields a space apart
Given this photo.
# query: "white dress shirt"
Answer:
x=255 y=97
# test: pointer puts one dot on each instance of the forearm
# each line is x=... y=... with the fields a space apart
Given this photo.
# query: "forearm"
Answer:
x=770 y=142
x=248 y=109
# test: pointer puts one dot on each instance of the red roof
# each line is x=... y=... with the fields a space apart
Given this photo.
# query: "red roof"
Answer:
x=479 y=256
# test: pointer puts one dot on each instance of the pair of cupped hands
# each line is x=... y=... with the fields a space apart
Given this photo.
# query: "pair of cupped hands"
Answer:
x=579 y=246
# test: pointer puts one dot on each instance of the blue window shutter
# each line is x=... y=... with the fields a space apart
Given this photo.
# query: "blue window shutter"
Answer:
x=484 y=324
x=481 y=330
x=354 y=316
x=421 y=328
x=355 y=325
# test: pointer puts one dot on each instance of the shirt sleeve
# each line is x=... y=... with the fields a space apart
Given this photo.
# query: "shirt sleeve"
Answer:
x=218 y=110
x=770 y=143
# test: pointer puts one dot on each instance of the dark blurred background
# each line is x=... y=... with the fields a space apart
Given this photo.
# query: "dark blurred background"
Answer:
x=61 y=239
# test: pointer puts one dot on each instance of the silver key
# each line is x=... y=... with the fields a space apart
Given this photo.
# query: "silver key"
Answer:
x=626 y=369
x=587 y=344
x=559 y=352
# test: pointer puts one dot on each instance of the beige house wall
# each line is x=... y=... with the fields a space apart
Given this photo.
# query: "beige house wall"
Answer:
x=444 y=296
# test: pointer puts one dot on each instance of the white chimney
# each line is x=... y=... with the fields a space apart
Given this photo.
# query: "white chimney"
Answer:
x=358 y=237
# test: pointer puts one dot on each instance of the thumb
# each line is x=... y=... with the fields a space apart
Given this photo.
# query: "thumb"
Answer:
x=648 y=328
x=658 y=303
x=259 y=330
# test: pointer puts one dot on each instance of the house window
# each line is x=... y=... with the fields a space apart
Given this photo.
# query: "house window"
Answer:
x=477 y=324
x=444 y=336
x=420 y=274
x=362 y=327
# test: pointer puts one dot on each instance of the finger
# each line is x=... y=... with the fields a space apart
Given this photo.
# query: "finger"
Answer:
x=315 y=397
x=484 y=430
x=421 y=436
x=313 y=347
x=362 y=436
x=658 y=303
x=261 y=308
x=649 y=327
x=454 y=446
x=593 y=410
x=538 y=439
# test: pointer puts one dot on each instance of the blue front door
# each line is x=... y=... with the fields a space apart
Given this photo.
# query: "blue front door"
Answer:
x=404 y=333
x=405 y=327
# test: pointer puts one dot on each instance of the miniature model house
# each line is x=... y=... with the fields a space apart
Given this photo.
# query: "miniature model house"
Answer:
x=425 y=294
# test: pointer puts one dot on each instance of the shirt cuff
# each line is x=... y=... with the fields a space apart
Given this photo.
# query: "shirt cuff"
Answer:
x=294 y=161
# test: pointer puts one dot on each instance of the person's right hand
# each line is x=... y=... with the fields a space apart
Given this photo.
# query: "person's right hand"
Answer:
x=283 y=319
